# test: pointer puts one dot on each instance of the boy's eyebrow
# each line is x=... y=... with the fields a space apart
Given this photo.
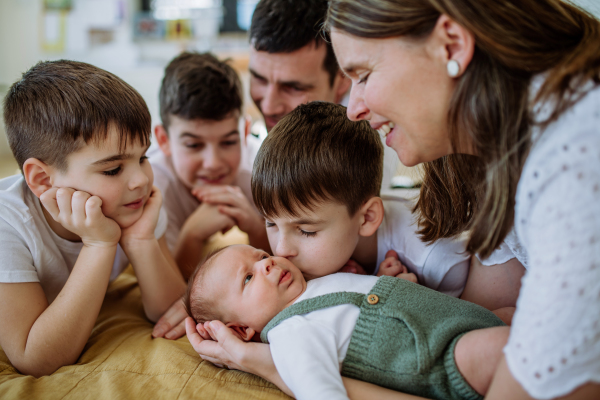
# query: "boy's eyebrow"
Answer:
x=117 y=157
x=296 y=84
x=193 y=136
x=306 y=221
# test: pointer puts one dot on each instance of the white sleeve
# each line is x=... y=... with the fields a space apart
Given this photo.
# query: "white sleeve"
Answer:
x=305 y=355
x=161 y=225
x=554 y=344
x=447 y=267
x=499 y=256
x=16 y=263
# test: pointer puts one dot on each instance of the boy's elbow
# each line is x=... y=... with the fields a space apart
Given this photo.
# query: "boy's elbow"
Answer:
x=152 y=315
x=32 y=361
x=38 y=368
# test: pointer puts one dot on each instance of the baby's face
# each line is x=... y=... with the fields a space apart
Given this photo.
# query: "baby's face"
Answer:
x=319 y=242
x=253 y=287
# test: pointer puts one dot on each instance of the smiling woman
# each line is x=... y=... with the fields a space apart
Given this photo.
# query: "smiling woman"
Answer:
x=501 y=101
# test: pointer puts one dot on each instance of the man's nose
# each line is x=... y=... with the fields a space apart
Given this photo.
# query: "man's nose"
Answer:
x=357 y=109
x=272 y=104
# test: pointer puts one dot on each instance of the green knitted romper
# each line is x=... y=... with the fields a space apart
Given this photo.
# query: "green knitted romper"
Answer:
x=404 y=337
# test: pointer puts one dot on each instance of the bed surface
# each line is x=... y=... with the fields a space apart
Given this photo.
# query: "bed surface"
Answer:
x=122 y=361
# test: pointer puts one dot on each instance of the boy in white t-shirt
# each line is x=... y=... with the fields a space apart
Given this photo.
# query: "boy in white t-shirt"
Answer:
x=198 y=168
x=386 y=331
x=82 y=210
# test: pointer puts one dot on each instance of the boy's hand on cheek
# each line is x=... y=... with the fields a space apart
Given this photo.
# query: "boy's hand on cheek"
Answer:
x=143 y=228
x=232 y=202
x=81 y=213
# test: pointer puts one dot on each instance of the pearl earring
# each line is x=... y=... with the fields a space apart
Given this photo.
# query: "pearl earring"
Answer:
x=453 y=68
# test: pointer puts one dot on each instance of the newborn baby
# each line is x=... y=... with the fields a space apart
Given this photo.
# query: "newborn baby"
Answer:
x=387 y=331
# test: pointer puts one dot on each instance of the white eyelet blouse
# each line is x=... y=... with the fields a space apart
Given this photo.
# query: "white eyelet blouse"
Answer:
x=554 y=345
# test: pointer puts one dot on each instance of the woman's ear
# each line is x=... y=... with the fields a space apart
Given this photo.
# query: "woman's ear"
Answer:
x=372 y=212
x=162 y=138
x=243 y=332
x=38 y=175
x=452 y=41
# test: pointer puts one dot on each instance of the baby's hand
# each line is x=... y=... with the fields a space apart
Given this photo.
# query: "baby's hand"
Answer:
x=81 y=213
x=143 y=228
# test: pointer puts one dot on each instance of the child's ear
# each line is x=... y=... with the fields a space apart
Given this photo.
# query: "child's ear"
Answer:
x=372 y=212
x=38 y=175
x=243 y=332
x=162 y=138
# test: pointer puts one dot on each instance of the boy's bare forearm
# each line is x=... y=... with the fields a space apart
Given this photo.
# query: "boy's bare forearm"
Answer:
x=188 y=251
x=159 y=283
x=44 y=338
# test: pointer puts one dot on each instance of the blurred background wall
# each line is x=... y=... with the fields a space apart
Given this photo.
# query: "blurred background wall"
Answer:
x=134 y=39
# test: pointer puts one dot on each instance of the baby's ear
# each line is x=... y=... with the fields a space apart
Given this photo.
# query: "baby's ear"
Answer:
x=372 y=216
x=243 y=332
x=37 y=174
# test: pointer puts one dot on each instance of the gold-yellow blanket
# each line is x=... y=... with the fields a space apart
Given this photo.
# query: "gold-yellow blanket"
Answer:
x=122 y=361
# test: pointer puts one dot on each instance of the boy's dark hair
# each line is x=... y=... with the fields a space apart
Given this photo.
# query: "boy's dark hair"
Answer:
x=200 y=306
x=58 y=106
x=284 y=26
x=316 y=154
x=199 y=86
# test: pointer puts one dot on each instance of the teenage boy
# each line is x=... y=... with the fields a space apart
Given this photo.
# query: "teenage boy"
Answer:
x=82 y=210
x=201 y=141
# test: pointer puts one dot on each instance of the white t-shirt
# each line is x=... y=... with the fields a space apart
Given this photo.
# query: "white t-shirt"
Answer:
x=308 y=350
x=554 y=345
x=178 y=201
x=31 y=251
x=442 y=266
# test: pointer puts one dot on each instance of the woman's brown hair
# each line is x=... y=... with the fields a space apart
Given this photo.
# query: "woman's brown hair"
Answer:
x=514 y=41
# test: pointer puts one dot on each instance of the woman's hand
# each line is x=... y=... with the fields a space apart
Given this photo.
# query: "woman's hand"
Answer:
x=224 y=349
x=216 y=343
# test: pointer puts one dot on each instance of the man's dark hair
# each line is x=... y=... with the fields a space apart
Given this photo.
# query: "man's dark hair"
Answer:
x=59 y=106
x=284 y=26
x=316 y=154
x=199 y=86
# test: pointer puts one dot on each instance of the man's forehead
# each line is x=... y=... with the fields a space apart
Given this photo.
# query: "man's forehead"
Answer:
x=303 y=65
